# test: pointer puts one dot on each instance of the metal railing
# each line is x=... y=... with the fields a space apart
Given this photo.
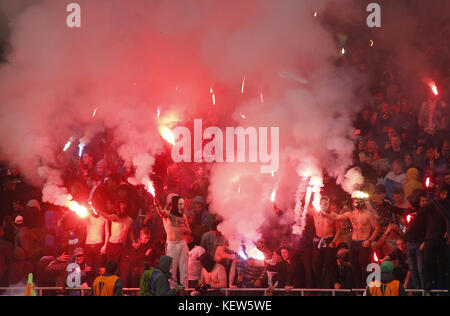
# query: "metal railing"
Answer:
x=85 y=291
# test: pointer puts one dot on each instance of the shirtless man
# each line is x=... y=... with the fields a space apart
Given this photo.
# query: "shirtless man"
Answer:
x=365 y=231
x=213 y=274
x=121 y=232
x=97 y=237
x=324 y=252
x=177 y=228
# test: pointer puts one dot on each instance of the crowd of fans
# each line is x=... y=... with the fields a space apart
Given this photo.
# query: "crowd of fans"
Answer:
x=402 y=150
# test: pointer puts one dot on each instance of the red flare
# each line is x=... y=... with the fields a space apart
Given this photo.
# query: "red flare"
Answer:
x=409 y=218
x=375 y=257
x=434 y=88
x=77 y=208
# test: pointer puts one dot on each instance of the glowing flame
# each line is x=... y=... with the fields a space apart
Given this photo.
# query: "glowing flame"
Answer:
x=67 y=145
x=81 y=146
x=343 y=51
x=149 y=187
x=371 y=43
x=243 y=86
x=254 y=253
x=158 y=112
x=77 y=208
x=360 y=195
x=273 y=173
x=375 y=257
x=213 y=96
x=167 y=134
x=243 y=116
x=427 y=182
x=408 y=218
x=243 y=255
x=316 y=14
x=273 y=195
x=261 y=98
x=239 y=189
x=434 y=88
x=95 y=112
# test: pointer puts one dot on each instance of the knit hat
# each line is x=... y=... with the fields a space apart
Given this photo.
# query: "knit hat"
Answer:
x=18 y=220
x=387 y=266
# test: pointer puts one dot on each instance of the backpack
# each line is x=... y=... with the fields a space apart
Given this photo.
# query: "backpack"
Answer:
x=146 y=287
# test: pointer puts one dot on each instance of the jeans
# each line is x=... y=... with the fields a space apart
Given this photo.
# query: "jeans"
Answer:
x=360 y=259
x=324 y=264
x=414 y=256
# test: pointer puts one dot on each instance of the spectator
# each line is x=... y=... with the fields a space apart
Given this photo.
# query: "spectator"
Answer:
x=399 y=258
x=108 y=284
x=194 y=265
x=395 y=178
x=344 y=276
x=389 y=285
x=213 y=274
x=412 y=183
x=200 y=220
x=415 y=235
x=155 y=282
x=140 y=257
x=434 y=246
x=275 y=266
x=25 y=241
x=213 y=239
x=433 y=163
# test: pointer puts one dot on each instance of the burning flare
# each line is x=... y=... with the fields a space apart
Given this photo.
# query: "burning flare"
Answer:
x=149 y=187
x=434 y=88
x=427 y=182
x=360 y=195
x=67 y=145
x=273 y=195
x=408 y=218
x=77 y=208
x=167 y=134
x=375 y=257
x=213 y=96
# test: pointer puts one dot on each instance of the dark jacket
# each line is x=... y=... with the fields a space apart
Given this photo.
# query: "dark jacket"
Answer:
x=160 y=280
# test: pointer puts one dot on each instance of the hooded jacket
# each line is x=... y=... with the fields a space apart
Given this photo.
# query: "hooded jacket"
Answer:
x=160 y=280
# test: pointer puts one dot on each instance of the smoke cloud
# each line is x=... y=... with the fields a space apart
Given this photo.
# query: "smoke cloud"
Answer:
x=131 y=58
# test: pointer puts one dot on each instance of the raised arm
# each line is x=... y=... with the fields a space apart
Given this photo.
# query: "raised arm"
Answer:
x=337 y=217
x=161 y=212
x=109 y=217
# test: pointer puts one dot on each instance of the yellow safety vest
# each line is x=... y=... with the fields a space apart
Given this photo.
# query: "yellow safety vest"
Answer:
x=385 y=289
x=104 y=285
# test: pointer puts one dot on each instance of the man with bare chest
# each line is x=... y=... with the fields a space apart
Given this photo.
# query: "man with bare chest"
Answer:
x=324 y=252
x=365 y=231
x=97 y=237
x=121 y=233
x=177 y=229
